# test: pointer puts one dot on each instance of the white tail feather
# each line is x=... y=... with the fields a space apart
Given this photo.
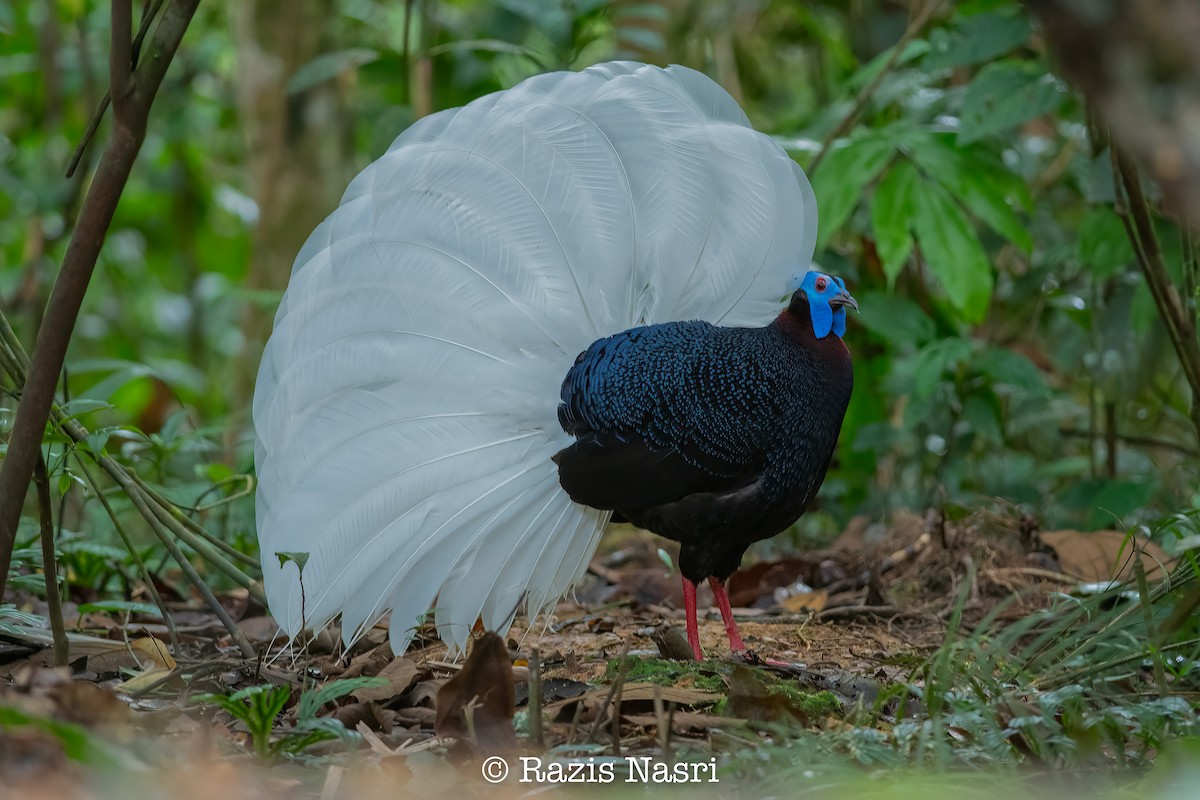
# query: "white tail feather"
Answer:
x=406 y=404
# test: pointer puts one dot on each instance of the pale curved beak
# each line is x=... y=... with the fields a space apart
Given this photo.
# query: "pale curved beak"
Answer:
x=843 y=298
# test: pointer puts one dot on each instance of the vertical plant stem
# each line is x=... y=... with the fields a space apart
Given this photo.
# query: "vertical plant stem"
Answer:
x=1176 y=317
x=50 y=562
x=214 y=604
x=1156 y=660
x=623 y=667
x=137 y=557
x=535 y=699
x=132 y=98
x=1110 y=437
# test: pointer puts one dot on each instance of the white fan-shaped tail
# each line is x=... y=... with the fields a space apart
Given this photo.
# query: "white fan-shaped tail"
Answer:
x=405 y=410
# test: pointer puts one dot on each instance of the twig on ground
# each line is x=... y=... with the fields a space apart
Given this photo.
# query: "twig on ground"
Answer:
x=663 y=719
x=842 y=612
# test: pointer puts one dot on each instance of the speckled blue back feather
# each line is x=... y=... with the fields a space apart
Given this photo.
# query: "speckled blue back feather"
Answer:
x=712 y=394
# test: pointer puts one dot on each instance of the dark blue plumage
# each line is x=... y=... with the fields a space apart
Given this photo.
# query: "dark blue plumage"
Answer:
x=714 y=437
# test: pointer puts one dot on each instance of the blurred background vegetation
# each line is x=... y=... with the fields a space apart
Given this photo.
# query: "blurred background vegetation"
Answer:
x=1009 y=354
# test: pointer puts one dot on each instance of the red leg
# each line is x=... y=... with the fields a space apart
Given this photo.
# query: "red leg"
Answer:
x=735 y=639
x=693 y=628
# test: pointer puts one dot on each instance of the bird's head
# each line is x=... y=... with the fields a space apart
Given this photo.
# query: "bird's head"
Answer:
x=825 y=298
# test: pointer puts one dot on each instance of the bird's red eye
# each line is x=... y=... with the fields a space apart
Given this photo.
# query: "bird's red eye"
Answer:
x=821 y=283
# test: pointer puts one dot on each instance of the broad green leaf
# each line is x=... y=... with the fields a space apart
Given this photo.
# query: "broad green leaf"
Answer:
x=914 y=49
x=935 y=360
x=121 y=606
x=1011 y=369
x=314 y=699
x=76 y=742
x=977 y=39
x=891 y=208
x=97 y=439
x=1067 y=467
x=83 y=405
x=299 y=559
x=980 y=183
x=329 y=65
x=1103 y=243
x=841 y=178
x=308 y=733
x=894 y=318
x=1104 y=501
x=984 y=417
x=491 y=46
x=92 y=548
x=952 y=251
x=1005 y=94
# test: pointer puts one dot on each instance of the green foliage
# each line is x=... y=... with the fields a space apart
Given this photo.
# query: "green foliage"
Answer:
x=1074 y=687
x=841 y=180
x=1006 y=94
x=257 y=707
x=978 y=38
x=77 y=743
x=700 y=675
x=1003 y=305
x=967 y=205
x=1003 y=318
x=952 y=251
x=892 y=199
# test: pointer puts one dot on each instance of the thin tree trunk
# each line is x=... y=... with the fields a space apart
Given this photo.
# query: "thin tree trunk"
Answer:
x=297 y=145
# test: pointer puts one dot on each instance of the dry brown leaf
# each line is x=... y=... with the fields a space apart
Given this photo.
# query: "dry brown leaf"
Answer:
x=369 y=662
x=142 y=681
x=806 y=601
x=760 y=580
x=261 y=629
x=478 y=703
x=401 y=673
x=425 y=693
x=154 y=651
x=369 y=714
x=1105 y=555
x=156 y=663
x=85 y=703
x=120 y=660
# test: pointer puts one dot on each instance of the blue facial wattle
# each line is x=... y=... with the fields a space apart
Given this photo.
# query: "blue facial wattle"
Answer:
x=826 y=318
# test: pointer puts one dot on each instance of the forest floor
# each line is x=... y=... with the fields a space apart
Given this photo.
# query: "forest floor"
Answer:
x=841 y=641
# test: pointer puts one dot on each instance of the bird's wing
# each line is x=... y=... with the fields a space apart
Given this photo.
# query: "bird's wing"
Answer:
x=708 y=394
x=405 y=405
x=606 y=472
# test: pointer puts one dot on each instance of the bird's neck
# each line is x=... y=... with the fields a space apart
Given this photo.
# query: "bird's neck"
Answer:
x=796 y=324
